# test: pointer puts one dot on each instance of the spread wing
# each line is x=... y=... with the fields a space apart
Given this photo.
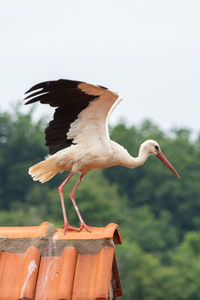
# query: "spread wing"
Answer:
x=81 y=112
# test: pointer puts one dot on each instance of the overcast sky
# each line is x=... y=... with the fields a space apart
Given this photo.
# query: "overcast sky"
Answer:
x=149 y=51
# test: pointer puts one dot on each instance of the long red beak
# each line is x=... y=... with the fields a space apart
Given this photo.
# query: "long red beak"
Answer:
x=165 y=161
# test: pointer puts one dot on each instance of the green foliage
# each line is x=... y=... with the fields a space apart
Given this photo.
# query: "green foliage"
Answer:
x=19 y=139
x=158 y=214
x=151 y=233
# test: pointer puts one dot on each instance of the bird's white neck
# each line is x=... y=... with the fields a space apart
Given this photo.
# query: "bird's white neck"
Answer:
x=134 y=162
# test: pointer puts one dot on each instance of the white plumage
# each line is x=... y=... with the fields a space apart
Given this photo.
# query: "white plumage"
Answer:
x=78 y=136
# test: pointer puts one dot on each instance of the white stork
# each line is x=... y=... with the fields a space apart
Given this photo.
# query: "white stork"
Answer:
x=78 y=138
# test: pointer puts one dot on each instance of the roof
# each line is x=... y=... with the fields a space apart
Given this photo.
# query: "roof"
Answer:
x=40 y=262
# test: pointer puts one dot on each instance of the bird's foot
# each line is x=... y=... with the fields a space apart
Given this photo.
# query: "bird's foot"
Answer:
x=83 y=225
x=66 y=227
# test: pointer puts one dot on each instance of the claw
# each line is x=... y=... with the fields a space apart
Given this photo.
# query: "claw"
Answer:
x=83 y=225
x=66 y=227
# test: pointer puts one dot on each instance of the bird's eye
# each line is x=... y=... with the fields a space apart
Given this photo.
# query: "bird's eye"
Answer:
x=157 y=148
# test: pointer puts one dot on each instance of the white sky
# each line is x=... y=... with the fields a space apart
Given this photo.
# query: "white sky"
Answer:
x=149 y=51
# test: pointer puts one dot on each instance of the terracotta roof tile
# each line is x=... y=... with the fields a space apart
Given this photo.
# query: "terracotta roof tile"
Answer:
x=42 y=263
x=24 y=232
x=18 y=274
x=56 y=276
x=107 y=232
x=94 y=282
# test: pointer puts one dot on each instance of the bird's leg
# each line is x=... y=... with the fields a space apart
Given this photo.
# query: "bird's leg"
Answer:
x=72 y=197
x=60 y=189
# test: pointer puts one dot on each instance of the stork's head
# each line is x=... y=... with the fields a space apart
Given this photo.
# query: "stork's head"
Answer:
x=152 y=147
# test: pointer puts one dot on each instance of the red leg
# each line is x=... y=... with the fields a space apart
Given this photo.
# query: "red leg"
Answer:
x=60 y=189
x=72 y=197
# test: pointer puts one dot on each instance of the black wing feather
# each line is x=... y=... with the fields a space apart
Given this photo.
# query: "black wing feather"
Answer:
x=54 y=84
x=69 y=100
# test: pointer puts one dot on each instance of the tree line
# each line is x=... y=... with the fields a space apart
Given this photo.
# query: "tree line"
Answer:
x=158 y=215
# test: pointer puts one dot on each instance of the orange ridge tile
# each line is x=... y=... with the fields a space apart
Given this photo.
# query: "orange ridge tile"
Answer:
x=25 y=231
x=107 y=232
x=111 y=231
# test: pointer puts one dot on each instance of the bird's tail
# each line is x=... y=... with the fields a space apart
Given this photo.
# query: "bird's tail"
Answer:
x=44 y=170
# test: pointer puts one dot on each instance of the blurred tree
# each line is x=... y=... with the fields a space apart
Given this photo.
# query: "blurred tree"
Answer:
x=186 y=259
x=157 y=213
x=21 y=144
x=144 y=277
x=151 y=233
